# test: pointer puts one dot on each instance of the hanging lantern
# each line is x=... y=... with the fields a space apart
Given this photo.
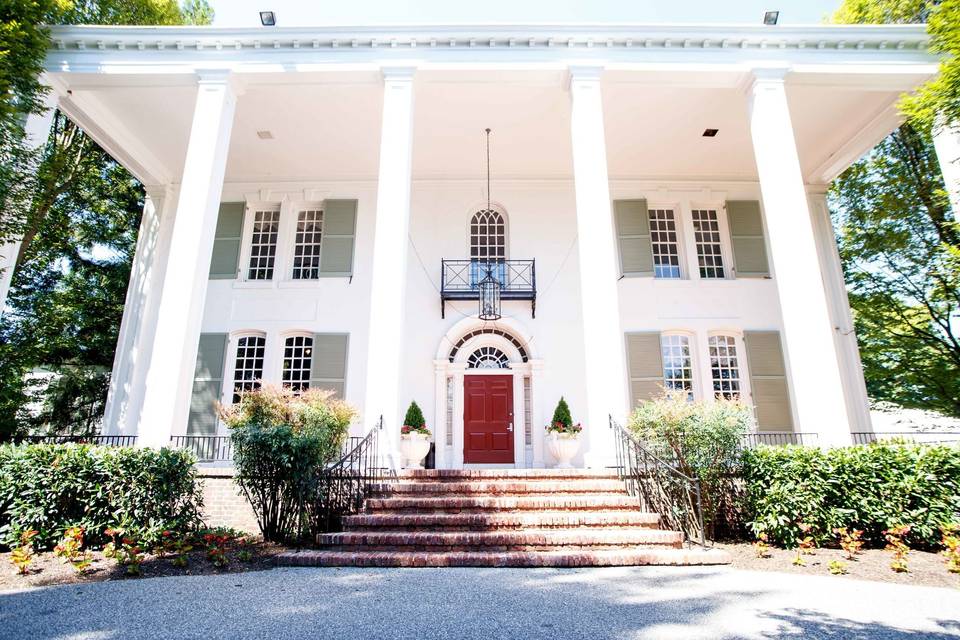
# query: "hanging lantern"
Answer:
x=489 y=289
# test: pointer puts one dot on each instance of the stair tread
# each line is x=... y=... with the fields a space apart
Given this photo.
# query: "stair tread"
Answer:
x=505 y=486
x=543 y=537
x=606 y=518
x=623 y=502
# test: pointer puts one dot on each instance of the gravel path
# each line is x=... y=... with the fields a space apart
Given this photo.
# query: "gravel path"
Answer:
x=635 y=602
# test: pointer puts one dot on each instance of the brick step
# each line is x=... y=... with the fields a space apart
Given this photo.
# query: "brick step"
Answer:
x=531 y=539
x=488 y=521
x=596 y=558
x=502 y=487
x=503 y=503
x=461 y=475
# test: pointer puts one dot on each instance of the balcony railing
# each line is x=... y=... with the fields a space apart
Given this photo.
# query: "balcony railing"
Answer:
x=919 y=437
x=107 y=441
x=206 y=448
x=517 y=278
x=778 y=438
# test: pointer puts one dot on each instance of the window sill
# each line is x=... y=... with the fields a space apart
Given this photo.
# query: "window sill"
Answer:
x=306 y=284
x=254 y=284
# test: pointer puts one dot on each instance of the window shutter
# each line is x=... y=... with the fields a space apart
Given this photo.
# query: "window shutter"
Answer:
x=645 y=365
x=207 y=384
x=224 y=263
x=328 y=366
x=746 y=237
x=633 y=237
x=768 y=381
x=339 y=232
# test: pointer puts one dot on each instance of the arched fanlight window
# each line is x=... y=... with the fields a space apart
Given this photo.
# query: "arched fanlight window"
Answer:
x=488 y=358
x=488 y=235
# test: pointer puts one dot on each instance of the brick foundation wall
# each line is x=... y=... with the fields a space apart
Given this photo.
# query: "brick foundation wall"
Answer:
x=224 y=505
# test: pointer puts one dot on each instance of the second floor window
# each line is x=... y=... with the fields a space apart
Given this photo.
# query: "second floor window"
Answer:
x=263 y=245
x=306 y=249
x=488 y=236
x=297 y=362
x=248 y=368
x=706 y=226
x=663 y=239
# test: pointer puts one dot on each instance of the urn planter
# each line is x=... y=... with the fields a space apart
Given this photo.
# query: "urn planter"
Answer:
x=563 y=447
x=414 y=447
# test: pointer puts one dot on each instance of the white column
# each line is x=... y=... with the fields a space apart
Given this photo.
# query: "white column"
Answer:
x=36 y=131
x=183 y=287
x=605 y=369
x=389 y=275
x=845 y=339
x=536 y=415
x=815 y=376
x=946 y=141
x=134 y=343
x=439 y=426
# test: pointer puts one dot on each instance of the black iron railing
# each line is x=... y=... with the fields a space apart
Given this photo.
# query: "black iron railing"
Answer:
x=107 y=441
x=920 y=437
x=459 y=280
x=206 y=448
x=659 y=485
x=346 y=483
x=777 y=438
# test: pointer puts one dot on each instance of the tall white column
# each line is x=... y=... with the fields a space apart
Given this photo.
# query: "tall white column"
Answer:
x=36 y=133
x=605 y=369
x=946 y=141
x=808 y=340
x=183 y=287
x=389 y=275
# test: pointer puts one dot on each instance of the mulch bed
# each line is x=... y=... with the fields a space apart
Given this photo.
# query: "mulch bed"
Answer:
x=925 y=568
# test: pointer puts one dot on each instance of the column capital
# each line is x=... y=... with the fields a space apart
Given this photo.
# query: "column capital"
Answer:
x=220 y=78
x=766 y=76
x=157 y=192
x=817 y=189
x=397 y=73
x=584 y=73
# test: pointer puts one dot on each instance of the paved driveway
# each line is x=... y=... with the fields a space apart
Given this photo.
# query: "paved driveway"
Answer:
x=659 y=602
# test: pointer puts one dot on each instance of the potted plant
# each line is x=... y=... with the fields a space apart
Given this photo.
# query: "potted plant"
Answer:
x=414 y=437
x=563 y=437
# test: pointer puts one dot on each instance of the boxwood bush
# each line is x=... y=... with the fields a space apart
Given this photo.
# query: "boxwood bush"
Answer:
x=870 y=487
x=50 y=487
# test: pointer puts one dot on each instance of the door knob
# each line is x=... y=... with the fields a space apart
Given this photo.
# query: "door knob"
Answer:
x=510 y=428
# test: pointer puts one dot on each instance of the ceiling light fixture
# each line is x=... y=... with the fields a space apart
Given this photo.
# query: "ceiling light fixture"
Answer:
x=710 y=133
x=770 y=18
x=268 y=18
x=264 y=135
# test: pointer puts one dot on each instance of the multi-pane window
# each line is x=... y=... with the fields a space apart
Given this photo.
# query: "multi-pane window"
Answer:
x=706 y=228
x=488 y=236
x=663 y=240
x=449 y=416
x=306 y=249
x=248 y=368
x=297 y=360
x=724 y=366
x=263 y=245
x=677 y=364
x=488 y=358
x=527 y=411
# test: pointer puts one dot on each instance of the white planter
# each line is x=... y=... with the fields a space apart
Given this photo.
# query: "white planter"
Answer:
x=563 y=447
x=414 y=447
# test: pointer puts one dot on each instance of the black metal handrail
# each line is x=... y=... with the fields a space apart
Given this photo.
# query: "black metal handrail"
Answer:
x=918 y=437
x=460 y=279
x=107 y=441
x=779 y=438
x=659 y=485
x=346 y=483
x=206 y=448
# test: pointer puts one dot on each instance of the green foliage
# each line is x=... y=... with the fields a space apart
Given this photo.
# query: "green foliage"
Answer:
x=281 y=443
x=414 y=417
x=561 y=415
x=870 y=488
x=51 y=488
x=702 y=439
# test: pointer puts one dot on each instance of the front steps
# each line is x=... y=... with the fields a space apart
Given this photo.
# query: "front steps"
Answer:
x=502 y=518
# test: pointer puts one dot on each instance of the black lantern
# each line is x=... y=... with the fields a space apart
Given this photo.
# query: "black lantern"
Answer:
x=489 y=289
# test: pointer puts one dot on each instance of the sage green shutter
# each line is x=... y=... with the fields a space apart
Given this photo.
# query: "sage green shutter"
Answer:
x=768 y=381
x=207 y=384
x=328 y=366
x=226 y=243
x=633 y=237
x=339 y=232
x=746 y=238
x=644 y=365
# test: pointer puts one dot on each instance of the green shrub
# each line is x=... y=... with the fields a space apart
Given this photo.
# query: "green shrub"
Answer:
x=871 y=488
x=281 y=444
x=414 y=417
x=702 y=439
x=51 y=487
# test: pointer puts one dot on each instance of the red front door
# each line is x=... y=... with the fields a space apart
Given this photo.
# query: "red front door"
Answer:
x=488 y=419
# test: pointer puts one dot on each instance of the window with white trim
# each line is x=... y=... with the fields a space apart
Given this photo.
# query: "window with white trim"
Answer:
x=706 y=227
x=449 y=415
x=297 y=362
x=488 y=236
x=664 y=243
x=677 y=364
x=527 y=411
x=306 y=248
x=248 y=366
x=724 y=366
x=263 y=245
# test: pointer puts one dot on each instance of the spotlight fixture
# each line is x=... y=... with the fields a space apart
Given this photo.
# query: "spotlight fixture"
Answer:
x=264 y=134
x=268 y=18
x=770 y=18
x=710 y=133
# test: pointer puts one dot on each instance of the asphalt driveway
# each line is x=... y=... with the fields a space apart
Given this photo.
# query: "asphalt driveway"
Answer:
x=641 y=602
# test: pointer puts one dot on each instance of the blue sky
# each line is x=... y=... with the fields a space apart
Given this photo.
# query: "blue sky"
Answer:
x=238 y=13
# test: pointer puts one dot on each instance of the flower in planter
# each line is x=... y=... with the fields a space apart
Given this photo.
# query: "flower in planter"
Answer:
x=413 y=422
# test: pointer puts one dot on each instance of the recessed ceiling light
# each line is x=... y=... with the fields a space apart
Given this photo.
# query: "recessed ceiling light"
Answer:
x=268 y=18
x=770 y=18
x=264 y=135
x=710 y=133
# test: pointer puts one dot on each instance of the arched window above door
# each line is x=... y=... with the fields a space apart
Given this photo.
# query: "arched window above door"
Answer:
x=488 y=358
x=488 y=235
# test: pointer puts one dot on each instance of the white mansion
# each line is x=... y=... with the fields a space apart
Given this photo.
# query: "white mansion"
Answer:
x=318 y=214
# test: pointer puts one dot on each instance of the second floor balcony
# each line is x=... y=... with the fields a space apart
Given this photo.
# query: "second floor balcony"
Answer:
x=460 y=280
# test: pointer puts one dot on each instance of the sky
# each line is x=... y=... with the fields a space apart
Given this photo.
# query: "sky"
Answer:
x=302 y=13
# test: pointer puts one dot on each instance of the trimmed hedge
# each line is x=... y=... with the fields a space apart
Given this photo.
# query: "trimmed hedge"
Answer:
x=870 y=487
x=50 y=487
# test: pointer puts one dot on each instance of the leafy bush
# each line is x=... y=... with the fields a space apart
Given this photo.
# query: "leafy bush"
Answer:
x=871 y=488
x=52 y=487
x=281 y=444
x=702 y=439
